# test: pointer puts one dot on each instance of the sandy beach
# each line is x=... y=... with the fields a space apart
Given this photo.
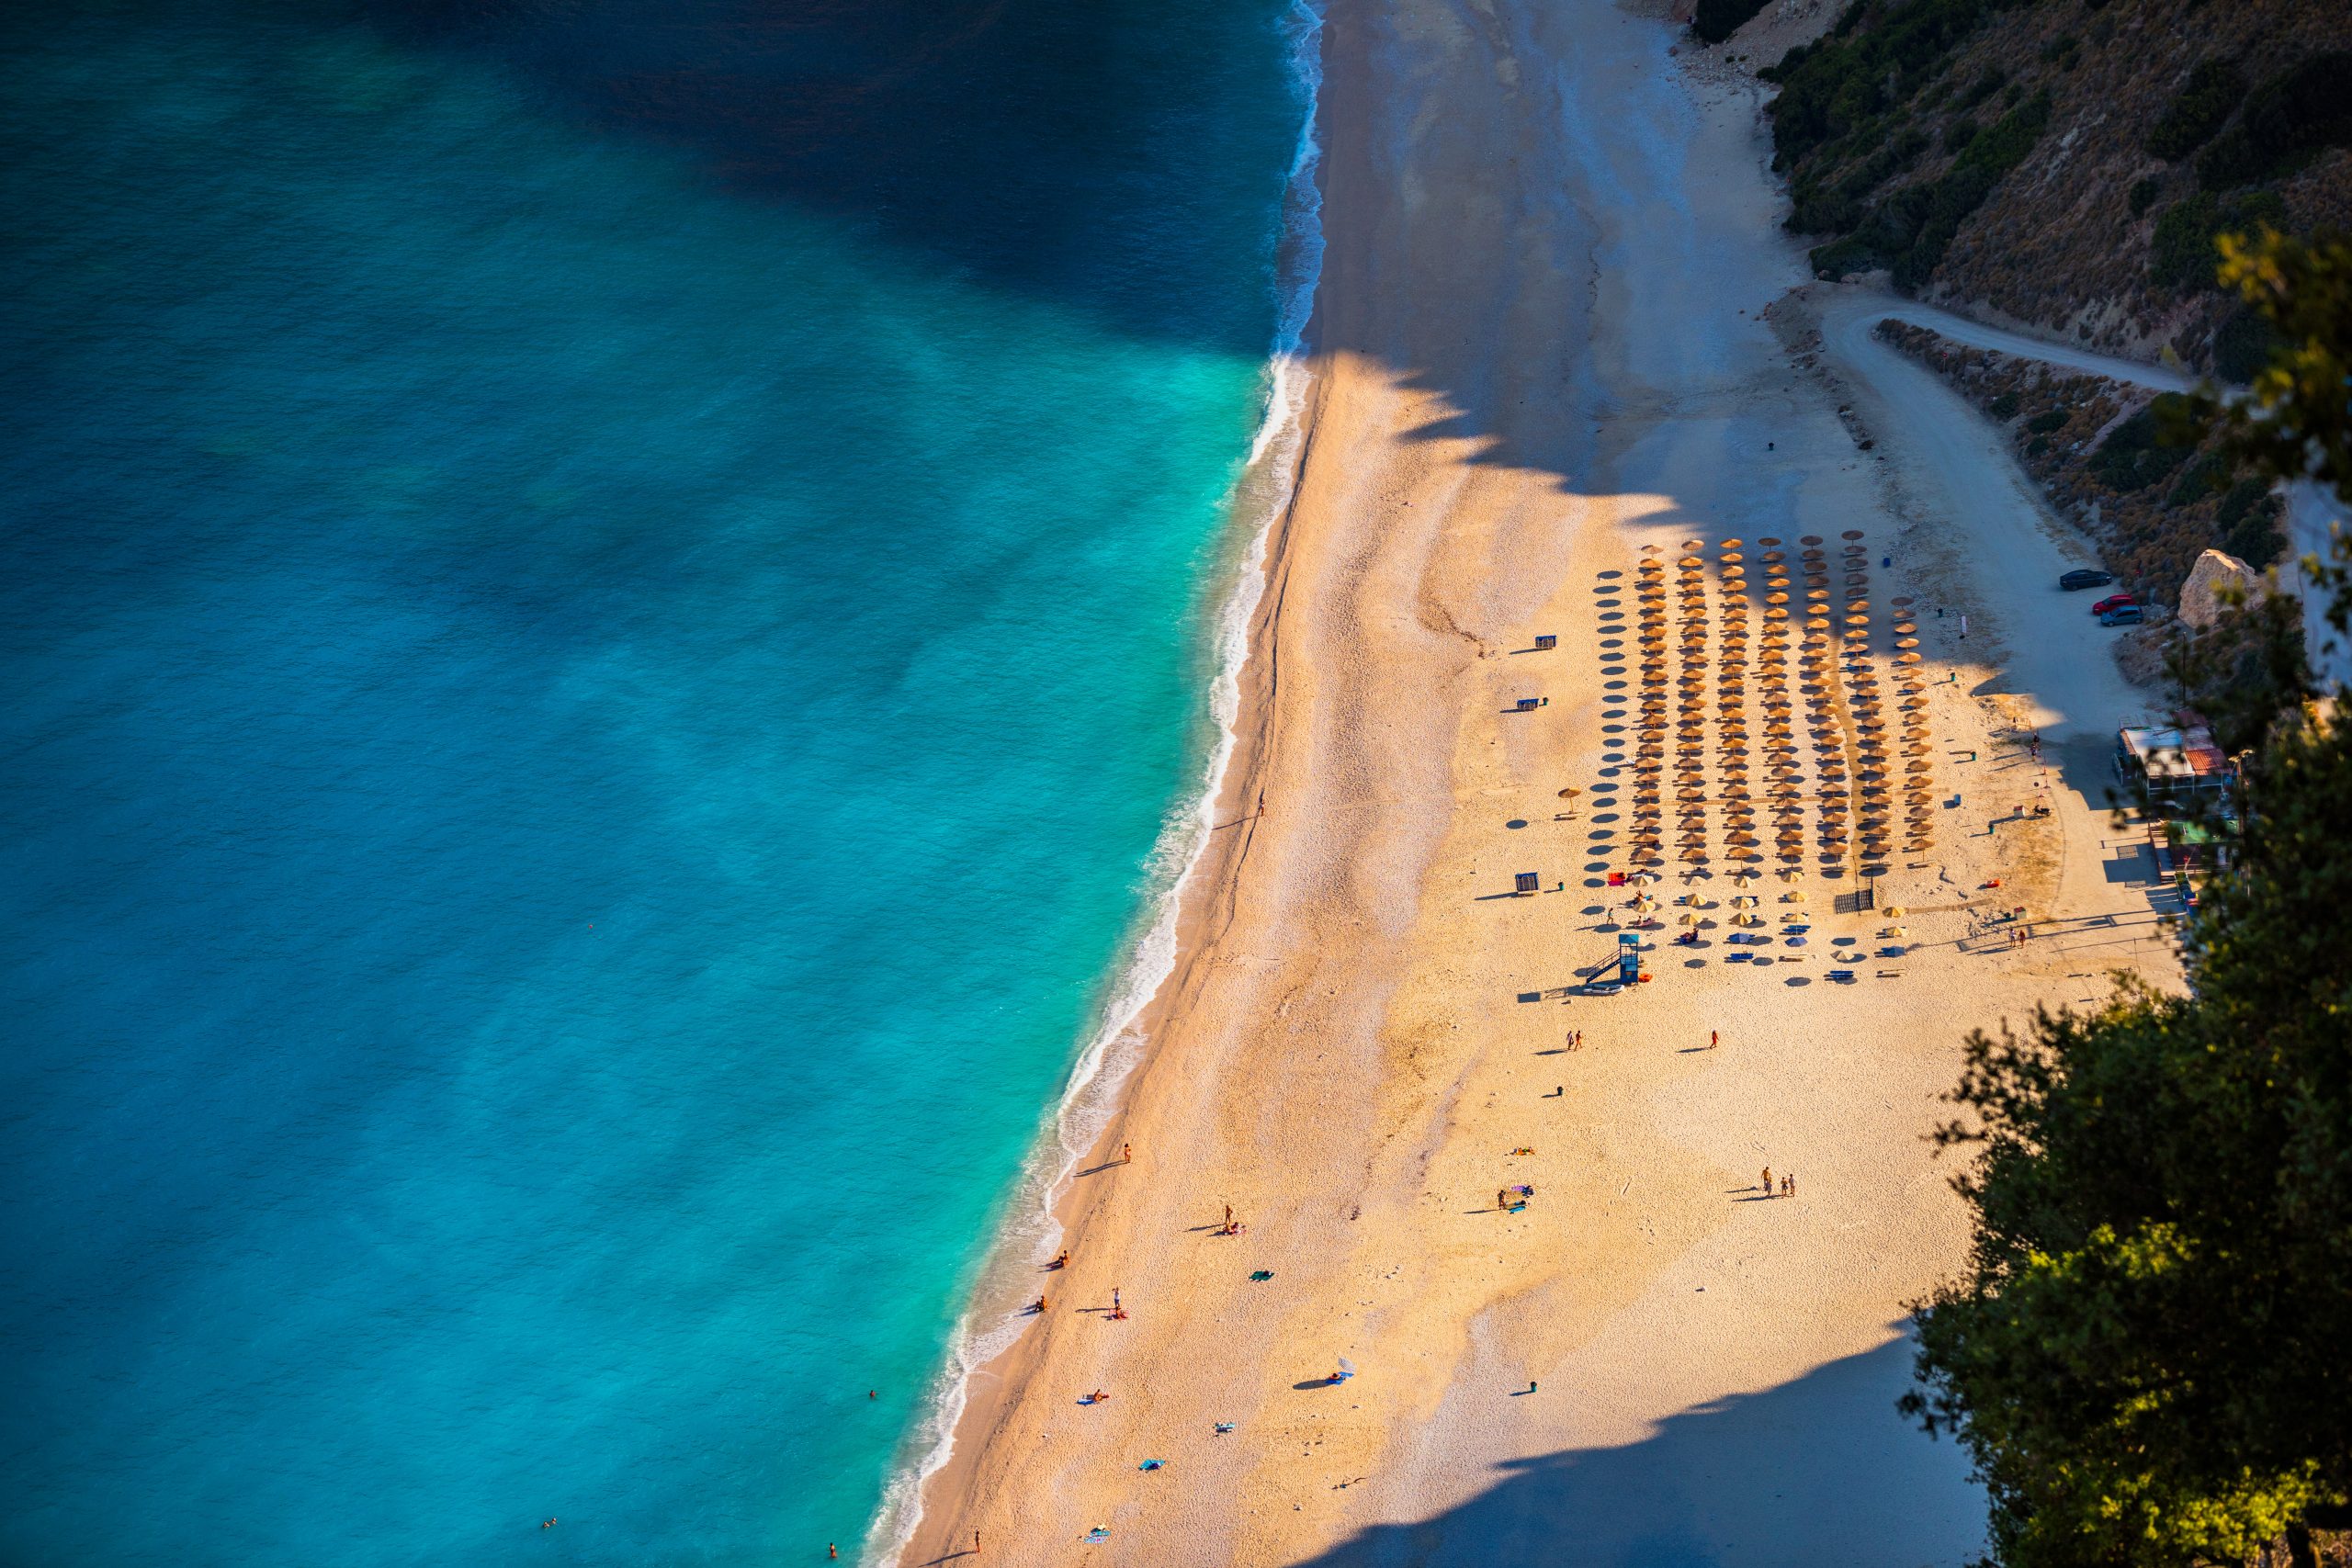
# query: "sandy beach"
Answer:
x=1570 y=382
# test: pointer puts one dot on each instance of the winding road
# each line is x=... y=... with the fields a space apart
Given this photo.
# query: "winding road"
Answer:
x=1848 y=317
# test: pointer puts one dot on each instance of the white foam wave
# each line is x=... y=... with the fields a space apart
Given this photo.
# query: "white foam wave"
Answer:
x=1260 y=493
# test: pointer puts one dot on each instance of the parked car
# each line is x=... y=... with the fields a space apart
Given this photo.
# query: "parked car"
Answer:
x=2114 y=601
x=2121 y=616
x=2085 y=578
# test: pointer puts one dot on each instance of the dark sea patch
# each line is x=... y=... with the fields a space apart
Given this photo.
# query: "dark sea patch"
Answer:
x=1112 y=157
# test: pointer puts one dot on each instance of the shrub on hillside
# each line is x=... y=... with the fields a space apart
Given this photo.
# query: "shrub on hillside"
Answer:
x=2242 y=346
x=1960 y=192
x=2183 y=255
x=2296 y=112
x=1829 y=88
x=2202 y=106
x=2248 y=523
x=2208 y=476
x=2135 y=455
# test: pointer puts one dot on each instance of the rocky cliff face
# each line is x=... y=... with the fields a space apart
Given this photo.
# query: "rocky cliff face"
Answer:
x=2064 y=166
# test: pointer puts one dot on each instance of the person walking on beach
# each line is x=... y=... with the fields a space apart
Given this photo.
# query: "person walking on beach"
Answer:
x=1789 y=1185
x=1126 y=1153
x=1116 y=1310
x=1503 y=1198
x=1768 y=1181
x=1713 y=1040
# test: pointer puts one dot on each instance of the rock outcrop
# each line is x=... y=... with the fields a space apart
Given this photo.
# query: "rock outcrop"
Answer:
x=2202 y=595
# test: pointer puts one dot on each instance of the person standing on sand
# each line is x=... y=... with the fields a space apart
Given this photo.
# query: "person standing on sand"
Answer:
x=1713 y=1040
x=1126 y=1153
x=1789 y=1185
x=1768 y=1181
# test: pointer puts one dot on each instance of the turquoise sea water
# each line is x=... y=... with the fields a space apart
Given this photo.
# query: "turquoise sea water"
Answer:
x=595 y=668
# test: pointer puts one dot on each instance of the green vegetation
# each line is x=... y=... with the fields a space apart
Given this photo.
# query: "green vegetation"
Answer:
x=2135 y=455
x=2004 y=406
x=1846 y=121
x=2242 y=346
x=2292 y=115
x=2295 y=420
x=2143 y=195
x=2043 y=423
x=2208 y=475
x=1910 y=230
x=1717 y=20
x=2208 y=100
x=2248 y=523
x=1985 y=87
x=2185 y=255
x=1845 y=82
x=2146 y=1354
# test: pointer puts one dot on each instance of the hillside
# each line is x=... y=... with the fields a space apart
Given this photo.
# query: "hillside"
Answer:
x=2064 y=167
x=2061 y=165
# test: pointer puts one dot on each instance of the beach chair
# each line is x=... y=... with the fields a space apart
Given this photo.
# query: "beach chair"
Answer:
x=1843 y=977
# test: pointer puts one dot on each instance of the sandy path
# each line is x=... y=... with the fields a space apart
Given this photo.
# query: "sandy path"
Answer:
x=1542 y=345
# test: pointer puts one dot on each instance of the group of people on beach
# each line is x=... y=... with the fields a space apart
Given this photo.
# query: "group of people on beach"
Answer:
x=1788 y=1188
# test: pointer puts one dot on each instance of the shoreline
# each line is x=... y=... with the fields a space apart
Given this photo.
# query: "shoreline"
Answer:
x=1038 y=1214
x=1517 y=381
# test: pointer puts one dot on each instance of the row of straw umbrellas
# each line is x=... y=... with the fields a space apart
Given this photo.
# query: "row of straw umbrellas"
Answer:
x=1834 y=642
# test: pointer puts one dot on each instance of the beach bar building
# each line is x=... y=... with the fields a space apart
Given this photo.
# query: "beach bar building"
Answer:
x=2175 y=767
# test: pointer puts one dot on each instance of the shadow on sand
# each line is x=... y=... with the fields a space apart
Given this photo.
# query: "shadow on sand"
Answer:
x=1818 y=1471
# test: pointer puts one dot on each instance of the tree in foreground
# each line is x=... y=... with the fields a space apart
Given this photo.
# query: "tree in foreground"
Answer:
x=2150 y=1354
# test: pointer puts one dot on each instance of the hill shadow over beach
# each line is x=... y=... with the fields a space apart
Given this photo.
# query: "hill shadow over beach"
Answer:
x=1788 y=1476
x=1120 y=159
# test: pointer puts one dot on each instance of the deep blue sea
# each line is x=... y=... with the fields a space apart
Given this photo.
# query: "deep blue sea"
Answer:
x=601 y=608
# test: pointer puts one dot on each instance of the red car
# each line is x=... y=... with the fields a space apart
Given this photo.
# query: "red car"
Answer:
x=2114 y=601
